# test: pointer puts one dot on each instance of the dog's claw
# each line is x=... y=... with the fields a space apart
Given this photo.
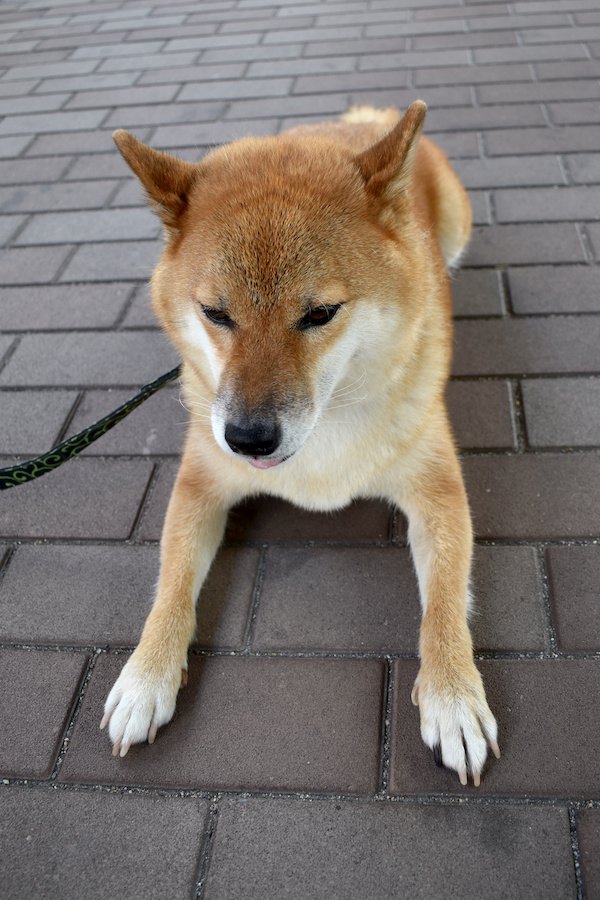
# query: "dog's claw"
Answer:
x=462 y=776
x=104 y=721
x=476 y=778
x=124 y=750
x=152 y=733
x=116 y=748
x=495 y=749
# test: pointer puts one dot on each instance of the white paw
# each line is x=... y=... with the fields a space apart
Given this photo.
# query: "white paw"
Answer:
x=139 y=703
x=457 y=723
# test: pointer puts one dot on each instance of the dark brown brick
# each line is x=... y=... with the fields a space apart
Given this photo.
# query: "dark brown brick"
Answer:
x=534 y=496
x=477 y=292
x=562 y=412
x=367 y=600
x=43 y=848
x=247 y=723
x=481 y=414
x=527 y=346
x=554 y=289
x=574 y=573
x=547 y=712
x=326 y=848
x=37 y=698
x=85 y=498
x=95 y=594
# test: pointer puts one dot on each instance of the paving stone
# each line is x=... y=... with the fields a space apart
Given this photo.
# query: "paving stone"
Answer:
x=117 y=49
x=126 y=260
x=484 y=117
x=32 y=420
x=88 y=226
x=562 y=412
x=324 y=104
x=12 y=146
x=195 y=73
x=54 y=307
x=584 y=168
x=477 y=292
x=554 y=289
x=527 y=346
x=156 y=428
x=540 y=91
x=503 y=172
x=367 y=600
x=23 y=171
x=460 y=39
x=121 y=97
x=514 y=244
x=588 y=831
x=80 y=142
x=35 y=198
x=547 y=204
x=147 y=61
x=32 y=104
x=163 y=114
x=547 y=713
x=53 y=121
x=574 y=113
x=41 y=69
x=481 y=414
x=326 y=848
x=513 y=142
x=8 y=226
x=354 y=81
x=406 y=60
x=594 y=235
x=530 y=53
x=140 y=313
x=101 y=595
x=234 y=90
x=96 y=81
x=250 y=723
x=46 y=855
x=282 y=67
x=212 y=133
x=534 y=496
x=69 y=358
x=24 y=265
x=86 y=498
x=573 y=574
x=37 y=699
x=584 y=68
x=471 y=74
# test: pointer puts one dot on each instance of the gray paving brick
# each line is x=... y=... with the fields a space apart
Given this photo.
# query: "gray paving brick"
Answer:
x=282 y=67
x=462 y=144
x=481 y=414
x=251 y=53
x=44 y=852
x=477 y=292
x=89 y=358
x=59 y=196
x=584 y=68
x=530 y=53
x=96 y=81
x=501 y=172
x=117 y=49
x=57 y=121
x=95 y=225
x=409 y=60
x=162 y=114
x=554 y=698
x=49 y=69
x=539 y=91
x=460 y=39
x=562 y=412
x=554 y=289
x=547 y=204
x=514 y=244
x=470 y=74
x=326 y=848
x=32 y=420
x=12 y=146
x=35 y=704
x=234 y=90
x=129 y=260
x=485 y=117
x=367 y=600
x=65 y=41
x=24 y=171
x=53 y=307
x=584 y=168
x=527 y=346
x=85 y=498
x=394 y=80
x=542 y=140
x=594 y=235
x=140 y=313
x=147 y=61
x=9 y=225
x=299 y=105
x=588 y=830
x=98 y=166
x=186 y=74
x=573 y=573
x=157 y=427
x=216 y=41
x=33 y=104
x=22 y=265
x=534 y=496
x=212 y=133
x=293 y=724
x=77 y=142
x=94 y=594
x=133 y=25
x=480 y=207
x=121 y=97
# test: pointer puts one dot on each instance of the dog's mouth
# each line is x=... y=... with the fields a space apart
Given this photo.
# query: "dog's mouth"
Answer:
x=259 y=462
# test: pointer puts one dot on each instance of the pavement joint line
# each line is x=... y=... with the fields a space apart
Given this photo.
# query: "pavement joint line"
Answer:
x=387 y=718
x=259 y=576
x=205 y=854
x=579 y=882
x=9 y=353
x=143 y=504
x=469 y=798
x=75 y=707
x=64 y=429
x=550 y=626
x=586 y=243
x=518 y=416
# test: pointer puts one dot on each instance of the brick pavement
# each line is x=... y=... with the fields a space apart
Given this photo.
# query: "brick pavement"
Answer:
x=294 y=765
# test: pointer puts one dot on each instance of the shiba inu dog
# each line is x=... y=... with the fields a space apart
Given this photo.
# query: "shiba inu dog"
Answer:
x=301 y=272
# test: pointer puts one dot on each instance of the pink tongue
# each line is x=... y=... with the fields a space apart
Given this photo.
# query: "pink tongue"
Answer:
x=264 y=463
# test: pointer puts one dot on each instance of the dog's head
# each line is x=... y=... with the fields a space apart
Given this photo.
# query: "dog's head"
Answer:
x=284 y=261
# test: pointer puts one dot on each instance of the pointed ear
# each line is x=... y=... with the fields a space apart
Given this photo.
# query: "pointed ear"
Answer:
x=386 y=166
x=166 y=180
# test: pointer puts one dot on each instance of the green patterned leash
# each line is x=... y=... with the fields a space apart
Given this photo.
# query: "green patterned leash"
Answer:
x=23 y=472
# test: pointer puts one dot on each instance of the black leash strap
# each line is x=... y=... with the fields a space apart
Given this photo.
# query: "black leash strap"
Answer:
x=13 y=476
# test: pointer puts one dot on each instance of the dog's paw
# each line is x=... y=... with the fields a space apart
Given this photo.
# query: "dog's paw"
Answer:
x=140 y=701
x=456 y=721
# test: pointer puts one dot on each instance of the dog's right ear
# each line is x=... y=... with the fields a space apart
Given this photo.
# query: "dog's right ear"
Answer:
x=167 y=180
x=387 y=166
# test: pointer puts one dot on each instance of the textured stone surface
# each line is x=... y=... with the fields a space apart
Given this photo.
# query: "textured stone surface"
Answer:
x=574 y=574
x=562 y=412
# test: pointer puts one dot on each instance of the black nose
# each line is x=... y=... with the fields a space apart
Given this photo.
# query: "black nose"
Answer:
x=253 y=439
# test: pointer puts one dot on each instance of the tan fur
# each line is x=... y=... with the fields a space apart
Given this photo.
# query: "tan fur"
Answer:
x=347 y=214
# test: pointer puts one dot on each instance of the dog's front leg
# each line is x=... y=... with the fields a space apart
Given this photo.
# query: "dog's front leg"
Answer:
x=456 y=720
x=143 y=697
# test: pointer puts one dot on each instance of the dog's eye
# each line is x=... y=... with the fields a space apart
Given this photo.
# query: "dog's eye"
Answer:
x=320 y=315
x=218 y=316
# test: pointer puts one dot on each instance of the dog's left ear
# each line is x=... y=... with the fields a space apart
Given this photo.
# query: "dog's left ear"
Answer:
x=166 y=179
x=386 y=166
